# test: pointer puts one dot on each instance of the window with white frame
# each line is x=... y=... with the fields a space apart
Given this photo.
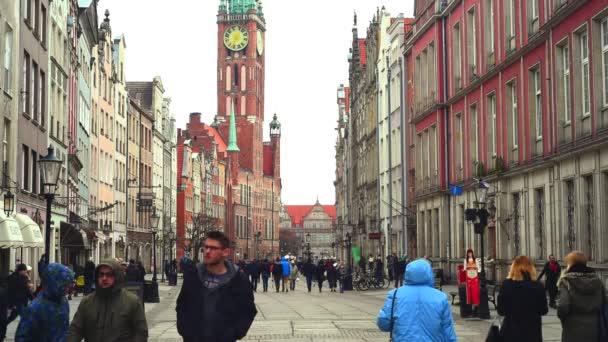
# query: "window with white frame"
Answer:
x=586 y=96
x=492 y=118
x=8 y=51
x=533 y=16
x=474 y=133
x=510 y=25
x=565 y=61
x=604 y=45
x=489 y=41
x=538 y=102
x=458 y=135
x=512 y=110
x=457 y=56
x=472 y=41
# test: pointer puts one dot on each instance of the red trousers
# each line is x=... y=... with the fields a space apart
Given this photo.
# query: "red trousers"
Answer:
x=473 y=291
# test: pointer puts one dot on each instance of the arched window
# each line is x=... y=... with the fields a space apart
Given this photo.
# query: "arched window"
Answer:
x=243 y=105
x=228 y=77
x=236 y=76
x=243 y=78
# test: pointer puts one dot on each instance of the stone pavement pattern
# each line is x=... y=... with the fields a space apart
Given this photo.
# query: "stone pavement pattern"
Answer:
x=302 y=317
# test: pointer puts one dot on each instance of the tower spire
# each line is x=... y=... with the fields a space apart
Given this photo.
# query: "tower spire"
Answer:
x=232 y=145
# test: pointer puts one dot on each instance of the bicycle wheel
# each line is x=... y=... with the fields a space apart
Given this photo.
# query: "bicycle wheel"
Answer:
x=362 y=285
x=379 y=284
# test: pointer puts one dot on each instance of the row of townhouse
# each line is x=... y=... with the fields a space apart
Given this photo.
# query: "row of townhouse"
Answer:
x=63 y=86
x=516 y=93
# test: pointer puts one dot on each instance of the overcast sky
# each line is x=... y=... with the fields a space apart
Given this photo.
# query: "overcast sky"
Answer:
x=306 y=50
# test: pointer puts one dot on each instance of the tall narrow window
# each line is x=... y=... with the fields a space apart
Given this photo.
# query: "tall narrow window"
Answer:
x=492 y=120
x=474 y=133
x=509 y=25
x=533 y=16
x=565 y=57
x=458 y=147
x=512 y=104
x=489 y=32
x=8 y=51
x=456 y=50
x=472 y=42
x=42 y=98
x=538 y=103
x=43 y=25
x=27 y=91
x=586 y=100
x=604 y=44
x=243 y=78
x=25 y=168
x=228 y=80
x=34 y=88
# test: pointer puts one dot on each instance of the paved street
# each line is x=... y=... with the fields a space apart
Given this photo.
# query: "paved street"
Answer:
x=302 y=317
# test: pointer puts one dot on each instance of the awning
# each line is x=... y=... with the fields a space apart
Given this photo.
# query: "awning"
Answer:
x=32 y=237
x=72 y=237
x=10 y=234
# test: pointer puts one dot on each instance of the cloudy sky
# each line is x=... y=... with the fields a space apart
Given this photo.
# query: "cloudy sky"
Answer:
x=306 y=49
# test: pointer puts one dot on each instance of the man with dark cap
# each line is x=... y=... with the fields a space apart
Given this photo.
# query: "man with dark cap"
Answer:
x=19 y=293
x=111 y=313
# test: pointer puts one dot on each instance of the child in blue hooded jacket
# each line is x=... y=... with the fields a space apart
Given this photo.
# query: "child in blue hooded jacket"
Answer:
x=47 y=317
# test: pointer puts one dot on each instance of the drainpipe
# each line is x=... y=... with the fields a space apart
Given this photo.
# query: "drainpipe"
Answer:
x=378 y=208
x=390 y=160
x=403 y=135
x=446 y=142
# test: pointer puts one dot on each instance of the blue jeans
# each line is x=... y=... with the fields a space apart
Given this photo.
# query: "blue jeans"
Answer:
x=309 y=282
x=265 y=282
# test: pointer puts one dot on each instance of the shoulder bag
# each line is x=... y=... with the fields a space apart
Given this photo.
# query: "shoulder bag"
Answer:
x=393 y=315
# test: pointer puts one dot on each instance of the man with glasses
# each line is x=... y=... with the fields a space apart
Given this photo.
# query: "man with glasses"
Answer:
x=111 y=313
x=216 y=300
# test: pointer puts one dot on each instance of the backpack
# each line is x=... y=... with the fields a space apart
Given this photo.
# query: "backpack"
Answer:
x=277 y=270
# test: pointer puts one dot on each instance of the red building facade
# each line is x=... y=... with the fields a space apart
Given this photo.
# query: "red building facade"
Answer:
x=517 y=95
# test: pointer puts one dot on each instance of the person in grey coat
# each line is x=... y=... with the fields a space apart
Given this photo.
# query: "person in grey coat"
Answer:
x=579 y=300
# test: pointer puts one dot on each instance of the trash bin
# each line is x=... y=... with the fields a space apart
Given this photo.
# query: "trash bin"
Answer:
x=151 y=292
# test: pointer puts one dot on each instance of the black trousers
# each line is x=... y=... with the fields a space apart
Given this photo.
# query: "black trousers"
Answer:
x=277 y=281
x=254 y=283
x=552 y=289
x=309 y=282
x=398 y=280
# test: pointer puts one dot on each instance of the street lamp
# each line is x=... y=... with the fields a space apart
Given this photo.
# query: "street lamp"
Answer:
x=348 y=283
x=50 y=168
x=9 y=203
x=479 y=217
x=154 y=228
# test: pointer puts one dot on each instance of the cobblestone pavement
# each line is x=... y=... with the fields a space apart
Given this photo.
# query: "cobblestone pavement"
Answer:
x=312 y=317
x=302 y=317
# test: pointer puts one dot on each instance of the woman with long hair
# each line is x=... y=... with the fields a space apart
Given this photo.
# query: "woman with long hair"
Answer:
x=522 y=302
x=579 y=300
x=472 y=283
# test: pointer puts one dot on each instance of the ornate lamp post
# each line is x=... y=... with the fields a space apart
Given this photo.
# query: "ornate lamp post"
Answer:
x=50 y=168
x=348 y=282
x=9 y=203
x=479 y=218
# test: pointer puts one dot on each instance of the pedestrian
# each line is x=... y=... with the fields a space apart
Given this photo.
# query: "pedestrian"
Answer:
x=379 y=270
x=265 y=272
x=551 y=271
x=286 y=272
x=277 y=273
x=320 y=274
x=3 y=308
x=341 y=275
x=111 y=313
x=42 y=263
x=399 y=270
x=132 y=272
x=332 y=275
x=390 y=264
x=580 y=298
x=141 y=274
x=255 y=270
x=308 y=269
x=89 y=276
x=173 y=273
x=417 y=311
x=19 y=292
x=293 y=275
x=215 y=303
x=472 y=269
x=166 y=269
x=370 y=263
x=522 y=302
x=47 y=317
x=362 y=265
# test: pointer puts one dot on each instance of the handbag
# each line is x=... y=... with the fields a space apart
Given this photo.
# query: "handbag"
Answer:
x=494 y=334
x=393 y=315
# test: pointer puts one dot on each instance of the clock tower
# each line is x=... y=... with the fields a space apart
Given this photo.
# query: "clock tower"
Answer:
x=240 y=77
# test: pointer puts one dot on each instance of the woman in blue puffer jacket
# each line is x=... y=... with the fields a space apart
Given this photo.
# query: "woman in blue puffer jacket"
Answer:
x=286 y=273
x=421 y=313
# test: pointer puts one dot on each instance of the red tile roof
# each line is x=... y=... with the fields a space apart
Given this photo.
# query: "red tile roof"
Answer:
x=221 y=144
x=408 y=24
x=362 y=51
x=268 y=160
x=298 y=212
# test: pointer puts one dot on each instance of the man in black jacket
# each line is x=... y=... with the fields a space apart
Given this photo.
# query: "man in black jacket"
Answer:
x=216 y=300
x=19 y=293
x=552 y=271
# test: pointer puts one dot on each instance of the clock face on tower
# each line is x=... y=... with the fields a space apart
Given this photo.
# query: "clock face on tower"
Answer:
x=236 y=38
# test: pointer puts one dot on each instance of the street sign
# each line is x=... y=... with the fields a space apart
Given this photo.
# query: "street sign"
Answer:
x=374 y=236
